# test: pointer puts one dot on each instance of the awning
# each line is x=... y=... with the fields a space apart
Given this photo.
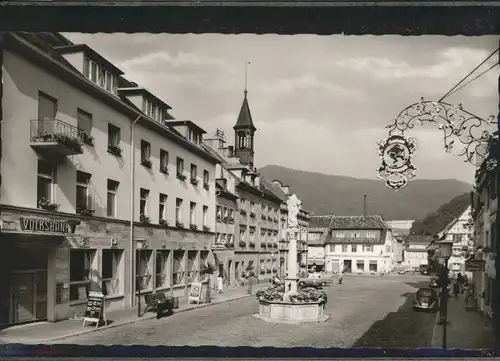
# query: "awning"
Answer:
x=316 y=261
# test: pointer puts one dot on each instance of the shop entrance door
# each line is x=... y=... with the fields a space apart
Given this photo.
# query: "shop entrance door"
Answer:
x=28 y=296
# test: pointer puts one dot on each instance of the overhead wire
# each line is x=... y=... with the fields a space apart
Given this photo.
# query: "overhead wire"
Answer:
x=473 y=79
x=468 y=75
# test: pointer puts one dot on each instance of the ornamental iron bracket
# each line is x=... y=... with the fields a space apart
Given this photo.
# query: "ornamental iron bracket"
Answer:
x=464 y=135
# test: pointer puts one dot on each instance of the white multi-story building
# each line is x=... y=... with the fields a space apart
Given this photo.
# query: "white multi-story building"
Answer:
x=359 y=244
x=415 y=252
x=81 y=208
x=319 y=233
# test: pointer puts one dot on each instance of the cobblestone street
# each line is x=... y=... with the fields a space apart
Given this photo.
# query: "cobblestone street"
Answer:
x=364 y=311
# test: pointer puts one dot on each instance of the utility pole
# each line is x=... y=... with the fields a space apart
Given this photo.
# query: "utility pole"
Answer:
x=364 y=206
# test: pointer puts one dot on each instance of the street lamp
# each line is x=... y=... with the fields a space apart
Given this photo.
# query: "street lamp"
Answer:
x=445 y=250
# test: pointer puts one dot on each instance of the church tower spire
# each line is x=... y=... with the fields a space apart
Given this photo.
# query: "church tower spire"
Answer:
x=244 y=129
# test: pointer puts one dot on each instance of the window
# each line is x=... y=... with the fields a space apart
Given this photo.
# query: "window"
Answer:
x=114 y=135
x=98 y=75
x=219 y=213
x=111 y=265
x=192 y=269
x=162 y=279
x=340 y=234
x=82 y=190
x=143 y=206
x=143 y=269
x=163 y=161
x=205 y=177
x=205 y=214
x=231 y=215
x=373 y=266
x=344 y=248
x=369 y=248
x=370 y=235
x=162 y=209
x=109 y=82
x=178 y=267
x=45 y=182
x=192 y=213
x=224 y=214
x=332 y=248
x=360 y=266
x=194 y=171
x=93 y=72
x=84 y=121
x=242 y=235
x=145 y=150
x=112 y=197
x=355 y=235
x=353 y=248
x=153 y=112
x=178 y=210
x=102 y=77
x=80 y=265
x=86 y=67
x=180 y=166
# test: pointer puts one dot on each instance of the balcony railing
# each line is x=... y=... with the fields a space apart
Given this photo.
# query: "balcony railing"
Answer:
x=58 y=136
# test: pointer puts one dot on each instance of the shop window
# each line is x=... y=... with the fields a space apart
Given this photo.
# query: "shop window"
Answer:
x=360 y=266
x=83 y=190
x=111 y=265
x=162 y=274
x=373 y=266
x=80 y=264
x=143 y=269
x=45 y=182
x=192 y=269
x=111 y=206
x=179 y=270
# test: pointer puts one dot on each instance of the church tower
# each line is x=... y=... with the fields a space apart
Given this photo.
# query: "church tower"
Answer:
x=244 y=131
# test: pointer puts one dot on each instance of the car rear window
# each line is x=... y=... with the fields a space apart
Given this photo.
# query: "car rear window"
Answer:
x=425 y=292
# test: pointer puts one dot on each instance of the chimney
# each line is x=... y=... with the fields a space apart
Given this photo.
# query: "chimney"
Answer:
x=286 y=189
x=364 y=206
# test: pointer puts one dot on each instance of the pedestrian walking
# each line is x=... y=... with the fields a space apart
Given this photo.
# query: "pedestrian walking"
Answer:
x=220 y=284
x=461 y=282
x=456 y=288
x=341 y=277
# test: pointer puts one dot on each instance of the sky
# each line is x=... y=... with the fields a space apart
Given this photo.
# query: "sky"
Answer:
x=319 y=103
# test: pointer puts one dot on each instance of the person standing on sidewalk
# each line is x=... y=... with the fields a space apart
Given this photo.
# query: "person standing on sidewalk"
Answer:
x=220 y=284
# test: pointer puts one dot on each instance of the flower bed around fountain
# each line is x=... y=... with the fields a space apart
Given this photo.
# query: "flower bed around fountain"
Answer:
x=306 y=305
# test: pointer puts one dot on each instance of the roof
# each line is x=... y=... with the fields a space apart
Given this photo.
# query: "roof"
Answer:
x=358 y=222
x=133 y=90
x=188 y=123
x=453 y=222
x=418 y=239
x=245 y=117
x=320 y=221
x=272 y=188
x=77 y=48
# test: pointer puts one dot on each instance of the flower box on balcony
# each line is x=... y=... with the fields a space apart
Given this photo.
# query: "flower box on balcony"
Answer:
x=146 y=163
x=179 y=224
x=144 y=219
x=206 y=186
x=206 y=228
x=242 y=244
x=85 y=211
x=163 y=222
x=182 y=177
x=194 y=181
x=193 y=227
x=251 y=244
x=262 y=244
x=115 y=150
x=87 y=138
x=164 y=170
x=47 y=205
x=66 y=140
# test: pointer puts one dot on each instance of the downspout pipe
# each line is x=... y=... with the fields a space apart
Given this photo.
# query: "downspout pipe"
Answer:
x=132 y=211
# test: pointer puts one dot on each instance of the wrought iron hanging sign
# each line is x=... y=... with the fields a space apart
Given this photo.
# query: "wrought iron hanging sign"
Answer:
x=464 y=135
x=396 y=153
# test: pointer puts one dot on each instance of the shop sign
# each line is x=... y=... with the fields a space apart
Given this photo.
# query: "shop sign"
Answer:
x=42 y=225
x=474 y=265
x=95 y=311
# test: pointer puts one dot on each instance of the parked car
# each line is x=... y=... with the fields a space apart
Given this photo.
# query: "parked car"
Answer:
x=401 y=271
x=433 y=282
x=314 y=280
x=424 y=270
x=426 y=299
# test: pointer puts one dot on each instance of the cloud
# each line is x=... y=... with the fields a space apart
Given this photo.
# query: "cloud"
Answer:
x=157 y=60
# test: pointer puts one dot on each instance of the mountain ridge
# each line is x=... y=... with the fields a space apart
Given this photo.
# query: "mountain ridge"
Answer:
x=343 y=195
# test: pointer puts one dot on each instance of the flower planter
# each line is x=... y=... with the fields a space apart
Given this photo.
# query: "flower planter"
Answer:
x=116 y=151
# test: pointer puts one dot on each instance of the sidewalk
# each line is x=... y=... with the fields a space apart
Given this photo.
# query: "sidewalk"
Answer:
x=466 y=330
x=50 y=332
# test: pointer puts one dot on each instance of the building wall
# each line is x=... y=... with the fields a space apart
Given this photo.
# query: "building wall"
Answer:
x=335 y=254
x=415 y=258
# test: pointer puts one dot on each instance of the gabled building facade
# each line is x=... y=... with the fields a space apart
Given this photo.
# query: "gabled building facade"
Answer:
x=318 y=234
x=359 y=244
x=82 y=209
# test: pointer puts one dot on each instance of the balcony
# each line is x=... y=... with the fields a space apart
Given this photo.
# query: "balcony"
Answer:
x=57 y=137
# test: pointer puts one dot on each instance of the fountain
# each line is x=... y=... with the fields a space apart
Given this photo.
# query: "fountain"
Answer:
x=286 y=303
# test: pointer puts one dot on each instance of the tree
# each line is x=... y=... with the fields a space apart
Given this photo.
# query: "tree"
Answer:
x=435 y=222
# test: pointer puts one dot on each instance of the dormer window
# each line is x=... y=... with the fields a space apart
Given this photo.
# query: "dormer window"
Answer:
x=98 y=75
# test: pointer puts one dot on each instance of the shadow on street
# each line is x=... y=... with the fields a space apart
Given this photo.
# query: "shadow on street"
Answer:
x=405 y=328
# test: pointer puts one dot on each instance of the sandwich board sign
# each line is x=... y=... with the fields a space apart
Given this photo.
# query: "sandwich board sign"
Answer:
x=95 y=311
x=195 y=292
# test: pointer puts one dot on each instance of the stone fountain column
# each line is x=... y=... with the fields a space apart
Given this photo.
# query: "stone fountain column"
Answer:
x=291 y=279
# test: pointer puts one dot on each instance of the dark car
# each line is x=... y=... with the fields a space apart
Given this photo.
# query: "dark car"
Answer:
x=426 y=299
x=433 y=282
x=315 y=280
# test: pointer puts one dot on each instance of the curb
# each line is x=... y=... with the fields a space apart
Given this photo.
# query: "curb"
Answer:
x=148 y=317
